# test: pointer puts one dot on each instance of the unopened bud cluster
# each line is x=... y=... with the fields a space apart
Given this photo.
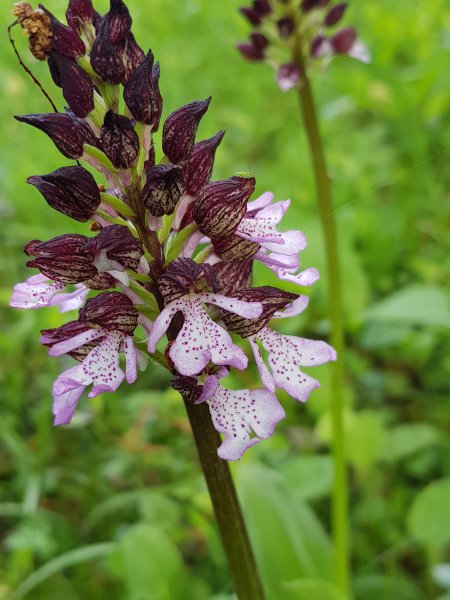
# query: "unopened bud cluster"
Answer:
x=294 y=35
x=168 y=252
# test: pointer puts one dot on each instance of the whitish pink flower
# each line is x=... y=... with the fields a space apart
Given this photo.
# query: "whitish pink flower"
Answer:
x=38 y=291
x=201 y=339
x=244 y=417
x=286 y=354
x=101 y=368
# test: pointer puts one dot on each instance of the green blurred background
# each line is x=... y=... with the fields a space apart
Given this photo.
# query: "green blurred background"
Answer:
x=115 y=505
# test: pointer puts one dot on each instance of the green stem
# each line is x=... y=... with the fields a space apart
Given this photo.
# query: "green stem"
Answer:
x=226 y=505
x=325 y=204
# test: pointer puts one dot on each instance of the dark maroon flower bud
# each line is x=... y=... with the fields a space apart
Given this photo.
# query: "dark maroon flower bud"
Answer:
x=76 y=84
x=69 y=243
x=234 y=248
x=285 y=27
x=251 y=52
x=251 y=15
x=259 y=40
x=79 y=13
x=116 y=248
x=232 y=276
x=64 y=259
x=188 y=387
x=50 y=337
x=70 y=190
x=221 y=206
x=132 y=56
x=66 y=132
x=197 y=172
x=142 y=95
x=64 y=40
x=316 y=46
x=180 y=129
x=288 y=76
x=163 y=189
x=335 y=14
x=182 y=276
x=119 y=21
x=272 y=299
x=110 y=310
x=308 y=5
x=343 y=40
x=105 y=58
x=119 y=141
x=262 y=7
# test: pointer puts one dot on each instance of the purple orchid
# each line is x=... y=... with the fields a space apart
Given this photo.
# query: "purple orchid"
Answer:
x=38 y=291
x=295 y=39
x=179 y=246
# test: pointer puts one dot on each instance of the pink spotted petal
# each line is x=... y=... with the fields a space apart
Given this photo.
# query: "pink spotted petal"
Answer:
x=35 y=292
x=75 y=342
x=304 y=278
x=162 y=323
x=130 y=359
x=293 y=242
x=266 y=377
x=201 y=340
x=286 y=353
x=243 y=417
x=101 y=367
x=257 y=230
x=65 y=404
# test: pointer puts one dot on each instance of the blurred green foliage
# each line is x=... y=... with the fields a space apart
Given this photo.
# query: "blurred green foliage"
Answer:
x=115 y=505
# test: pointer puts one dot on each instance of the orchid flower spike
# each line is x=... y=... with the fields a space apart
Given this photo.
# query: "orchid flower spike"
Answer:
x=166 y=249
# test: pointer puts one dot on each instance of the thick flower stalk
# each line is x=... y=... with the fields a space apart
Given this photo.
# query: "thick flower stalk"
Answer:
x=299 y=38
x=168 y=252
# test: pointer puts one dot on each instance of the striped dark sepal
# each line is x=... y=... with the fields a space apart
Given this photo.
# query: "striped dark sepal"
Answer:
x=221 y=206
x=119 y=141
x=110 y=310
x=272 y=300
x=179 y=130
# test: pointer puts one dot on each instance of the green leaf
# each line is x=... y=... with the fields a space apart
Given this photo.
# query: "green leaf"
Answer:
x=380 y=587
x=309 y=476
x=288 y=539
x=403 y=440
x=149 y=564
x=415 y=305
x=428 y=519
x=64 y=561
x=309 y=589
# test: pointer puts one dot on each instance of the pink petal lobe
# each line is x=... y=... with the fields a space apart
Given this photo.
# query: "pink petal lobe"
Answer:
x=130 y=359
x=243 y=417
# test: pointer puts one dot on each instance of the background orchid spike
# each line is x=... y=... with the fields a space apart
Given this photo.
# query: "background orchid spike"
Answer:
x=292 y=36
x=173 y=251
